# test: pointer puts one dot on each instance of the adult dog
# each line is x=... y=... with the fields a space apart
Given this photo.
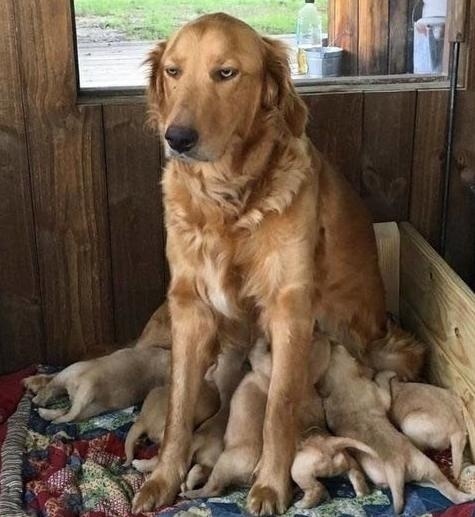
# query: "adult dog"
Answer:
x=263 y=236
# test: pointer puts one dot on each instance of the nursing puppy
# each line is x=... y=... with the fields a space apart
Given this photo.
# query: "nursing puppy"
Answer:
x=114 y=381
x=431 y=417
x=356 y=407
x=243 y=438
x=152 y=417
x=322 y=455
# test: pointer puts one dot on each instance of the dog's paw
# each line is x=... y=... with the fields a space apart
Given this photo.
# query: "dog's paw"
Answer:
x=265 y=500
x=153 y=494
x=144 y=466
x=50 y=414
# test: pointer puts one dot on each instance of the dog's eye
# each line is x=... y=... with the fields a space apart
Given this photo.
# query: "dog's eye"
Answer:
x=172 y=71
x=224 y=74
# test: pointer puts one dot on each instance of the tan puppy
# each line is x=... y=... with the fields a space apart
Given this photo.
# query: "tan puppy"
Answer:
x=260 y=231
x=208 y=440
x=152 y=418
x=114 y=381
x=321 y=455
x=431 y=417
x=243 y=438
x=356 y=407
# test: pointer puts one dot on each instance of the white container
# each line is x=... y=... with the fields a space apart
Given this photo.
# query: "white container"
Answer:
x=429 y=34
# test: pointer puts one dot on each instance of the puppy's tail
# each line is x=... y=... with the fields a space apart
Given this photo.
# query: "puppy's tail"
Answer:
x=350 y=443
x=399 y=352
x=395 y=476
x=135 y=432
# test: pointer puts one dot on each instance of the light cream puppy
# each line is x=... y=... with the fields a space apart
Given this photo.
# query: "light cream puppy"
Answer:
x=356 y=407
x=322 y=455
x=243 y=438
x=152 y=418
x=114 y=381
x=431 y=417
x=208 y=439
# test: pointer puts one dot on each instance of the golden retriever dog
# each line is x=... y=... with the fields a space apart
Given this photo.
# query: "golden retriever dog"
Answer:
x=431 y=417
x=262 y=234
x=356 y=407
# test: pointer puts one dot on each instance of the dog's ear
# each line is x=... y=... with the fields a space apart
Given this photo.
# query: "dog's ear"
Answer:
x=155 y=89
x=279 y=92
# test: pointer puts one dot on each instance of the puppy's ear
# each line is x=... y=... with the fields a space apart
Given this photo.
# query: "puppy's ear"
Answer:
x=155 y=88
x=279 y=92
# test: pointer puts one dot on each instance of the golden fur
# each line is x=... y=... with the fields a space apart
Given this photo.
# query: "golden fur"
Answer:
x=263 y=238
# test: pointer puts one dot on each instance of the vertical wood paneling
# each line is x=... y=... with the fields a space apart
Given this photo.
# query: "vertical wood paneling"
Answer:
x=428 y=164
x=21 y=329
x=68 y=180
x=135 y=213
x=398 y=36
x=373 y=37
x=388 y=133
x=335 y=128
x=343 y=32
x=460 y=243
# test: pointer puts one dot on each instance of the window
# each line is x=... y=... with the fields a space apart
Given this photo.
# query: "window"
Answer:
x=360 y=37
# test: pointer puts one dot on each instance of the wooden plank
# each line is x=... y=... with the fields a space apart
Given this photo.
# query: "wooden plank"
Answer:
x=440 y=308
x=21 y=326
x=135 y=214
x=388 y=242
x=398 y=36
x=428 y=164
x=69 y=189
x=373 y=37
x=460 y=243
x=343 y=32
x=335 y=128
x=388 y=130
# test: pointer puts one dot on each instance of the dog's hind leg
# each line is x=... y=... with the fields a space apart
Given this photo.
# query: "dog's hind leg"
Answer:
x=82 y=407
x=357 y=477
x=135 y=432
x=457 y=443
x=427 y=471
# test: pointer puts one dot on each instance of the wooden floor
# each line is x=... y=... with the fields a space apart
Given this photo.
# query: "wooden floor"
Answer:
x=118 y=64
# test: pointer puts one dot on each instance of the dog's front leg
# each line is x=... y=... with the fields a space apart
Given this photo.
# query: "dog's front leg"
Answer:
x=290 y=324
x=193 y=350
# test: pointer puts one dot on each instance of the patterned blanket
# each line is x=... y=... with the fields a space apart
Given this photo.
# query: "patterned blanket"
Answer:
x=76 y=469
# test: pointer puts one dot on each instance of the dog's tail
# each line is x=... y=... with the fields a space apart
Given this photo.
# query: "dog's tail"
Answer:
x=398 y=351
x=395 y=476
x=341 y=443
x=135 y=432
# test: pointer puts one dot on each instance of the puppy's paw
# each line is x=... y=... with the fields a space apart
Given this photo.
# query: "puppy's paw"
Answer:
x=145 y=466
x=265 y=500
x=50 y=414
x=153 y=494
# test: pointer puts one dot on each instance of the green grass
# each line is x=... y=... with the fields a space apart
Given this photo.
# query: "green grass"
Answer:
x=154 y=19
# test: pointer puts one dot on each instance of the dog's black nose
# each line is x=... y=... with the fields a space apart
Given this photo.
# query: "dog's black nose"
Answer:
x=181 y=139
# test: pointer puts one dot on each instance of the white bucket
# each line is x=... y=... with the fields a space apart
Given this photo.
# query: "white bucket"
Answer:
x=434 y=8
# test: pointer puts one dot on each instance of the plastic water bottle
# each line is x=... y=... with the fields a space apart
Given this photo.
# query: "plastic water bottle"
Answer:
x=309 y=33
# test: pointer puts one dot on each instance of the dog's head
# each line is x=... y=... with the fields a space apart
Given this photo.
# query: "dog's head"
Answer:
x=214 y=82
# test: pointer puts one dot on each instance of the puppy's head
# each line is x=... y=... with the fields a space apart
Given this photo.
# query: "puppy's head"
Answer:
x=214 y=84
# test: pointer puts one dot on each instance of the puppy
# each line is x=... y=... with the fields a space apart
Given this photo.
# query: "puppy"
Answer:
x=208 y=440
x=356 y=407
x=243 y=437
x=321 y=455
x=114 y=381
x=152 y=418
x=431 y=417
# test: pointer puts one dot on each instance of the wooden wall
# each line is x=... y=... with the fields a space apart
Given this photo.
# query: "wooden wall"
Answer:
x=376 y=35
x=81 y=246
